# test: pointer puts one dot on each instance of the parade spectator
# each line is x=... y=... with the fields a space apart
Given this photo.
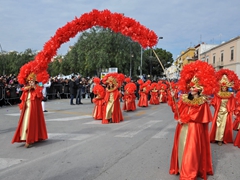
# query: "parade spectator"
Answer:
x=79 y=85
x=44 y=91
x=72 y=89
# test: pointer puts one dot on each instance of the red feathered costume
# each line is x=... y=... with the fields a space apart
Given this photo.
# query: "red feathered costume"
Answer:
x=113 y=113
x=99 y=92
x=31 y=127
x=162 y=93
x=236 y=123
x=191 y=153
x=154 y=94
x=224 y=104
x=129 y=96
x=143 y=93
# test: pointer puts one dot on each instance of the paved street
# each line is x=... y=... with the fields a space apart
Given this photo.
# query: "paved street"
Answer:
x=80 y=148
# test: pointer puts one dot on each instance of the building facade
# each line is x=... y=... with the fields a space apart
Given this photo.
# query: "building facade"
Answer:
x=225 y=55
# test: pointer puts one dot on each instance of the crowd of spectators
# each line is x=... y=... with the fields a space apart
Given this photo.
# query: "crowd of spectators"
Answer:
x=10 y=89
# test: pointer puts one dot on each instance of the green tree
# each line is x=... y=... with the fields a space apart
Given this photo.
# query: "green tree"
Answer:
x=152 y=67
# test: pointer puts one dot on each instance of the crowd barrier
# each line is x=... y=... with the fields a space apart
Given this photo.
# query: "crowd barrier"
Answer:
x=10 y=96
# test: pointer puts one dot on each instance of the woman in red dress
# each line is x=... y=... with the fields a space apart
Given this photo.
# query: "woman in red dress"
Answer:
x=154 y=94
x=129 y=95
x=98 y=100
x=224 y=104
x=143 y=93
x=162 y=93
x=236 y=123
x=112 y=113
x=191 y=153
x=31 y=127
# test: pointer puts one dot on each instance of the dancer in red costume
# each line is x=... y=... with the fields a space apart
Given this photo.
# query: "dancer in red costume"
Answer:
x=154 y=94
x=99 y=92
x=143 y=93
x=224 y=104
x=31 y=127
x=129 y=95
x=162 y=93
x=191 y=153
x=236 y=123
x=113 y=113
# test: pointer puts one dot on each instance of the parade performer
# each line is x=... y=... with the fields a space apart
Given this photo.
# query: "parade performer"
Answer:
x=129 y=95
x=191 y=153
x=113 y=113
x=224 y=105
x=162 y=93
x=31 y=126
x=98 y=100
x=236 y=123
x=154 y=94
x=143 y=93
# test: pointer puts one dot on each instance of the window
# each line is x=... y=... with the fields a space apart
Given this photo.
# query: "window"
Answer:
x=214 y=59
x=207 y=59
x=221 y=56
x=232 y=54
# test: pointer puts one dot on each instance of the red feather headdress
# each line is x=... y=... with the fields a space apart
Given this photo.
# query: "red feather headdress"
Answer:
x=227 y=78
x=201 y=74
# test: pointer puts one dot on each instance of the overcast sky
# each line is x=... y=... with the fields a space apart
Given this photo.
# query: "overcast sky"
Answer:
x=182 y=23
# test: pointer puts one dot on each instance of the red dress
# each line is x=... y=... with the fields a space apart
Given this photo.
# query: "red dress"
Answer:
x=112 y=108
x=236 y=123
x=31 y=127
x=222 y=126
x=154 y=97
x=98 y=110
x=162 y=96
x=129 y=102
x=191 y=153
x=143 y=100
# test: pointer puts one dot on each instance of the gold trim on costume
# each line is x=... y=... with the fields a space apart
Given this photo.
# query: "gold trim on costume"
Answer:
x=110 y=106
x=24 y=127
x=181 y=143
x=224 y=95
x=196 y=101
x=221 y=120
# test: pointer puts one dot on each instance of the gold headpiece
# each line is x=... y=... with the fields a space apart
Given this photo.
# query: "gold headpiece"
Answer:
x=31 y=77
x=112 y=80
x=195 y=83
x=225 y=81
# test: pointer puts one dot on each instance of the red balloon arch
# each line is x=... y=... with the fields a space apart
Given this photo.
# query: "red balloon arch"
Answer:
x=117 y=22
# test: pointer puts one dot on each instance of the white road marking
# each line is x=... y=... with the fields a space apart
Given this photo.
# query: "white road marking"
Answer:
x=13 y=114
x=8 y=162
x=139 y=129
x=68 y=136
x=69 y=118
x=18 y=114
x=164 y=131
x=94 y=122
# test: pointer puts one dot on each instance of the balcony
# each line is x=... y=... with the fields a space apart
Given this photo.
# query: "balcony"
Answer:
x=219 y=64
